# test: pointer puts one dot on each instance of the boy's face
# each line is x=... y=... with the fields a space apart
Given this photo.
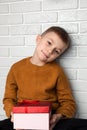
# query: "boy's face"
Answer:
x=49 y=47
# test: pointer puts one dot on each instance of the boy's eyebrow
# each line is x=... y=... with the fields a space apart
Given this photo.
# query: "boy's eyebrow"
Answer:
x=51 y=39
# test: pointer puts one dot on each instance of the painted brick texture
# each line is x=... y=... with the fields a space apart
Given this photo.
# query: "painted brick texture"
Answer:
x=22 y=20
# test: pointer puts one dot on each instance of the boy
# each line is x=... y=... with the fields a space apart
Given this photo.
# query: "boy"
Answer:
x=40 y=78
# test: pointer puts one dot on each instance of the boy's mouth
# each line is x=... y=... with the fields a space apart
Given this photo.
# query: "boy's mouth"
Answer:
x=45 y=54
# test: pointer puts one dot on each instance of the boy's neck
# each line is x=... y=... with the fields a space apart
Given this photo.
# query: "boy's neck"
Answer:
x=35 y=61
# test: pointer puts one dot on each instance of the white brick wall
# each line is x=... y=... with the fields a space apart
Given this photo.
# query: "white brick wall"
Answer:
x=22 y=20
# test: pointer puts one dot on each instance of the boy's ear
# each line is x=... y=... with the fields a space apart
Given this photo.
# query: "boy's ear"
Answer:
x=38 y=39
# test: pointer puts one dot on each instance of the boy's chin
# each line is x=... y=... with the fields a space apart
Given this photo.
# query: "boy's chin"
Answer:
x=44 y=61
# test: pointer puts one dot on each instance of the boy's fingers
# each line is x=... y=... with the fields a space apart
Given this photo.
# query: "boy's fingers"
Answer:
x=53 y=119
x=52 y=126
x=12 y=117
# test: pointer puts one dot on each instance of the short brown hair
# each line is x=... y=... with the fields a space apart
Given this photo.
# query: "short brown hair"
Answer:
x=62 y=33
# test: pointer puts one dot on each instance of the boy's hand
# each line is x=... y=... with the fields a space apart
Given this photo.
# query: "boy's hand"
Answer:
x=12 y=117
x=54 y=119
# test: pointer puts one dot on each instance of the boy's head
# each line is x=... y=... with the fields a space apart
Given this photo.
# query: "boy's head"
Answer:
x=51 y=44
x=60 y=32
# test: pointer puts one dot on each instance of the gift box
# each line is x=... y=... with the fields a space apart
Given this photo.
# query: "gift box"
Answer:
x=32 y=115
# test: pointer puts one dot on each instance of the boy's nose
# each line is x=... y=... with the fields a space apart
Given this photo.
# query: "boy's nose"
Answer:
x=50 y=51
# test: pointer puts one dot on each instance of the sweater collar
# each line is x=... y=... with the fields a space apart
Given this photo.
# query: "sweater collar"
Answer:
x=36 y=67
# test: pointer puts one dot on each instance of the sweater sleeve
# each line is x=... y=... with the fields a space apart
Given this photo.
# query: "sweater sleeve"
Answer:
x=10 y=95
x=67 y=105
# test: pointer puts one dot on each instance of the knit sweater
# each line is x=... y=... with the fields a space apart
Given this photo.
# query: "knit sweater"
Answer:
x=26 y=81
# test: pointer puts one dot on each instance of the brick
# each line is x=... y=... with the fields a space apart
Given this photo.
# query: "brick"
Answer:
x=79 y=40
x=83 y=3
x=24 y=7
x=83 y=74
x=25 y=29
x=2 y=111
x=83 y=27
x=2 y=1
x=79 y=85
x=71 y=52
x=58 y=4
x=82 y=51
x=2 y=82
x=1 y=95
x=76 y=15
x=71 y=74
x=4 y=8
x=82 y=115
x=7 y=62
x=3 y=71
x=22 y=51
x=34 y=0
x=11 y=19
x=7 y=41
x=74 y=63
x=4 y=30
x=81 y=97
x=4 y=52
x=30 y=40
x=43 y=17
x=2 y=117
x=82 y=107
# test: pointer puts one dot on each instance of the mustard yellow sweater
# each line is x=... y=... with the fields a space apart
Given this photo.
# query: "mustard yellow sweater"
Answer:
x=26 y=81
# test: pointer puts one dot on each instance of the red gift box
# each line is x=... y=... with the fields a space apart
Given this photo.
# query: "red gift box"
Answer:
x=34 y=115
x=27 y=106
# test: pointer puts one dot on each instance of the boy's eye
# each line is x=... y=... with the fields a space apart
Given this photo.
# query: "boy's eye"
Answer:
x=57 y=52
x=49 y=42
